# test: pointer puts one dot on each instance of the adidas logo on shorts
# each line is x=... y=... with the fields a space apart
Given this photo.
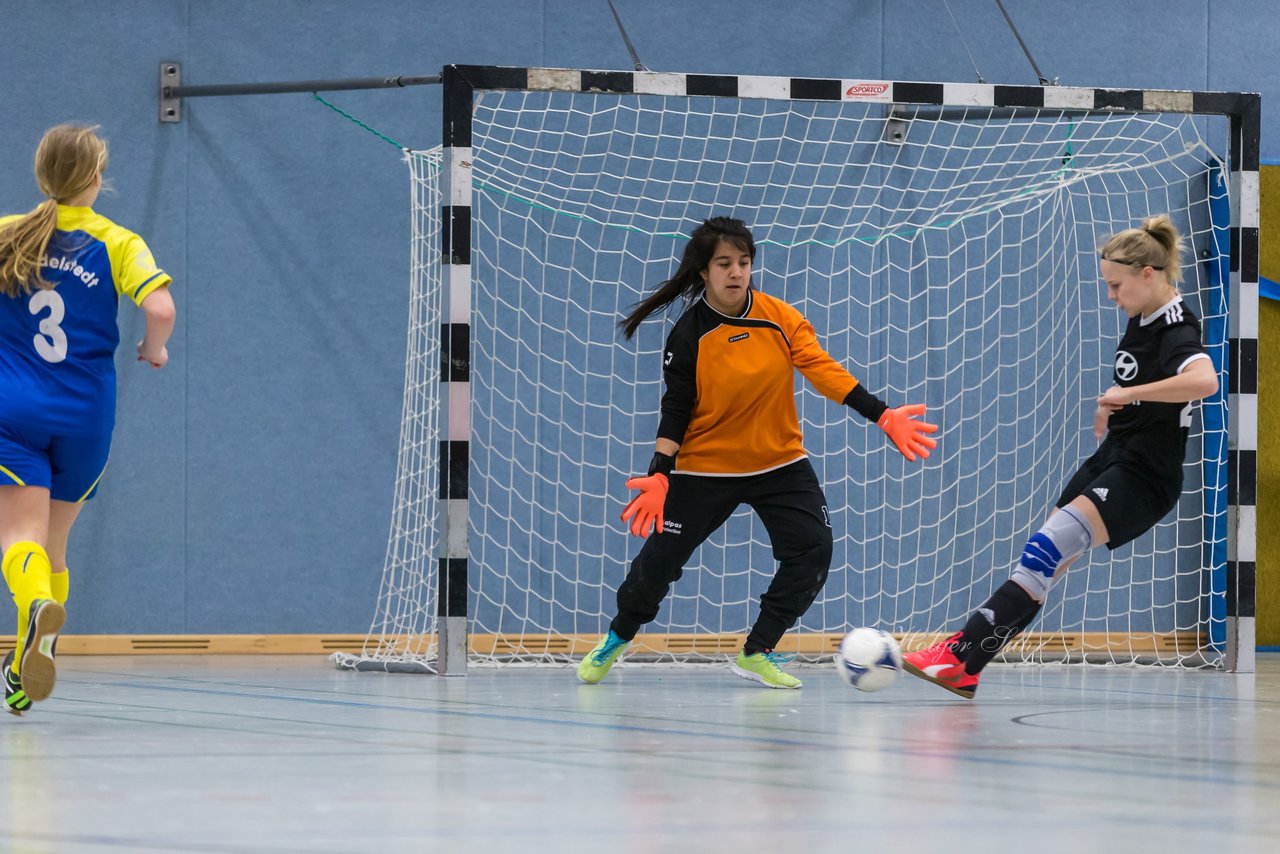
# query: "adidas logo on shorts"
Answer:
x=1101 y=492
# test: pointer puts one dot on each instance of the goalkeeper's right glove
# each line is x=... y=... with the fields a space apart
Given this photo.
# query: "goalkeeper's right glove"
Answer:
x=645 y=510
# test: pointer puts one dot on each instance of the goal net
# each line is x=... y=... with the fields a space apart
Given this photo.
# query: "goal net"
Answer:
x=945 y=255
x=403 y=634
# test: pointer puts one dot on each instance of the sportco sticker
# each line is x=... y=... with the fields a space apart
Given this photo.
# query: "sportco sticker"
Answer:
x=867 y=90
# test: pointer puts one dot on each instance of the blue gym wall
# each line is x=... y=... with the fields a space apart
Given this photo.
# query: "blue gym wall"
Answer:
x=250 y=483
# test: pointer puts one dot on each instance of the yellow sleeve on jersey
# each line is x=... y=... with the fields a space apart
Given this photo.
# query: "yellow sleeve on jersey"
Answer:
x=133 y=267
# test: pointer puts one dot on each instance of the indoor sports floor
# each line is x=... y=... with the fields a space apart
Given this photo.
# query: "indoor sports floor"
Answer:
x=286 y=754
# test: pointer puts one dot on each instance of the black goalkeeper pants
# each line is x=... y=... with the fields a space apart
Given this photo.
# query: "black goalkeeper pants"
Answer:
x=790 y=503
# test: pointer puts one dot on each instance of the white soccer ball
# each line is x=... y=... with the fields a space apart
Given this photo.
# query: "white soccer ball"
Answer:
x=869 y=659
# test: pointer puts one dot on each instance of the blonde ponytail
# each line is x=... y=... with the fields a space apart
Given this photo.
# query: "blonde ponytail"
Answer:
x=22 y=247
x=68 y=160
x=1166 y=234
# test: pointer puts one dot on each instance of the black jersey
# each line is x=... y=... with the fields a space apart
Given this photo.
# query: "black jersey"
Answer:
x=1152 y=349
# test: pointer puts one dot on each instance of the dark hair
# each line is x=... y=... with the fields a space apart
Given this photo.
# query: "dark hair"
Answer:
x=687 y=281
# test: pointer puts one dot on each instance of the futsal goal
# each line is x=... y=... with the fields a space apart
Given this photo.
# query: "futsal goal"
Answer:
x=943 y=240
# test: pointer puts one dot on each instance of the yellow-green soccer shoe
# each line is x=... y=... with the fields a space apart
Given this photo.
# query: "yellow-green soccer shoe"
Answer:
x=596 y=665
x=15 y=699
x=763 y=667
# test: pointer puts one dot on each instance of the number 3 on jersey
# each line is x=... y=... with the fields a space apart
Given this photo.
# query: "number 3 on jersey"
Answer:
x=51 y=343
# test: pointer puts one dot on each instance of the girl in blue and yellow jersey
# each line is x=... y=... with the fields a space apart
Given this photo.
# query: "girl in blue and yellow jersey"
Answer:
x=63 y=269
x=729 y=413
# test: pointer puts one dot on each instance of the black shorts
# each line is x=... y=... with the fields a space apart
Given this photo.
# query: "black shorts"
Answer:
x=1130 y=497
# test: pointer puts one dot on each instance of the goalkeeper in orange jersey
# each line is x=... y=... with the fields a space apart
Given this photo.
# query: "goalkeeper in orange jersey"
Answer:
x=729 y=435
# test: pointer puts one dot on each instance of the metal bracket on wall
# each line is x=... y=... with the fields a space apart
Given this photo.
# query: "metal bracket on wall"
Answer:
x=170 y=106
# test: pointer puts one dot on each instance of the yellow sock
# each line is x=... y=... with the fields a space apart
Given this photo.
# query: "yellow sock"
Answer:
x=27 y=572
x=60 y=585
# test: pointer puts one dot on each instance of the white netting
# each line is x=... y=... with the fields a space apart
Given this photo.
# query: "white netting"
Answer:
x=956 y=267
x=402 y=636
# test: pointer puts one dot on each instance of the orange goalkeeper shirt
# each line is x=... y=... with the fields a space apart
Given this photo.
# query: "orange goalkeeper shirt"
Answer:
x=730 y=401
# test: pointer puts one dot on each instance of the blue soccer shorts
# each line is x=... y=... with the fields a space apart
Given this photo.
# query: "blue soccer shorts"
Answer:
x=68 y=466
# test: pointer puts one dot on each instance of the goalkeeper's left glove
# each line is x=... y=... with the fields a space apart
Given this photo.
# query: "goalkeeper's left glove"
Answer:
x=907 y=433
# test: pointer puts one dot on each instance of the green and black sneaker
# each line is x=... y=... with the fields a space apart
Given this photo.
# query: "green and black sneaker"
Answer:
x=15 y=699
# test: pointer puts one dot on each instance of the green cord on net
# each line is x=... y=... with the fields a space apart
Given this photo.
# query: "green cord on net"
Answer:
x=352 y=118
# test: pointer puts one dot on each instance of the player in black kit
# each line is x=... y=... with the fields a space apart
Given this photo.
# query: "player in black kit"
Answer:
x=1134 y=478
